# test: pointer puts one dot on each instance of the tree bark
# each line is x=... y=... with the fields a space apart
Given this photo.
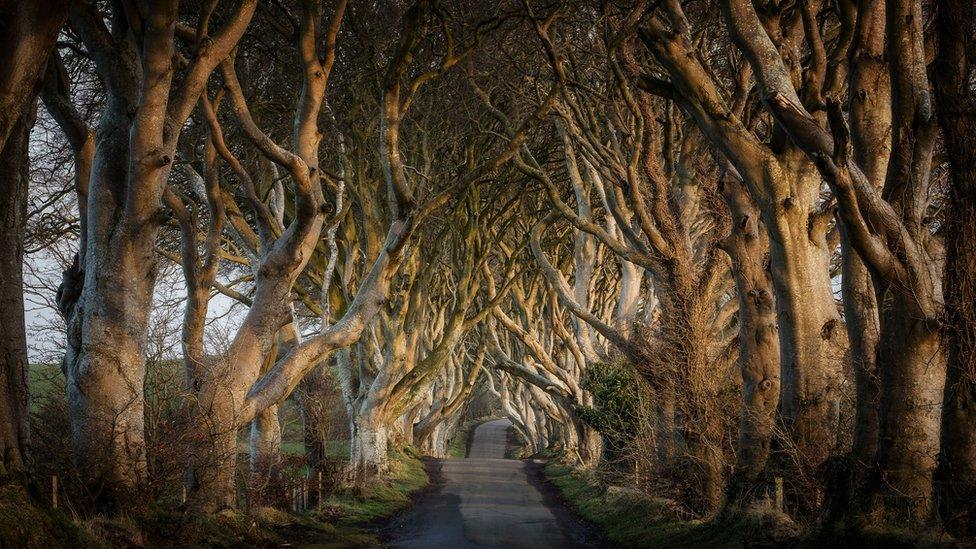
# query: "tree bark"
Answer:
x=14 y=420
x=28 y=31
x=369 y=443
x=870 y=120
x=110 y=320
x=759 y=356
x=956 y=475
x=786 y=188
x=912 y=379
x=314 y=412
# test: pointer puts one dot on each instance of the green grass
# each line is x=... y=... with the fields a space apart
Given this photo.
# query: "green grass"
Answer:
x=347 y=519
x=629 y=520
x=44 y=380
x=338 y=449
x=384 y=498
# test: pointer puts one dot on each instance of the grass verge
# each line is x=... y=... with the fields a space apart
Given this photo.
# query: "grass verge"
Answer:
x=348 y=519
x=458 y=448
x=352 y=508
x=630 y=519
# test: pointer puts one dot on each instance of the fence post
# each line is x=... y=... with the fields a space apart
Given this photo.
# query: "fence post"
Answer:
x=320 y=491
x=54 y=490
x=778 y=495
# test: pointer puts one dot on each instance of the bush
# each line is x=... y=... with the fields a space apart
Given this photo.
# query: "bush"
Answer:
x=616 y=407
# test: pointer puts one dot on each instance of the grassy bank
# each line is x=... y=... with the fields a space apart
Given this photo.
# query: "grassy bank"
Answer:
x=630 y=519
x=353 y=509
x=348 y=520
x=24 y=523
x=348 y=517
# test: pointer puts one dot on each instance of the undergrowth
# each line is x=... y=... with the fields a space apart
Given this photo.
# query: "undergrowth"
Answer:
x=25 y=523
x=351 y=507
x=347 y=519
x=631 y=519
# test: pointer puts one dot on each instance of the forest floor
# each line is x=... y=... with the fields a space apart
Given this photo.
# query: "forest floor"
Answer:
x=486 y=500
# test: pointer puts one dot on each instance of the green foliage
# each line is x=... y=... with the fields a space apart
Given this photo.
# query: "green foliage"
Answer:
x=616 y=410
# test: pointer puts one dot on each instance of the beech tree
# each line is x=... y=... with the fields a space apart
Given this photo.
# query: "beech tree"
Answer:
x=786 y=188
x=29 y=31
x=956 y=103
x=757 y=217
x=106 y=295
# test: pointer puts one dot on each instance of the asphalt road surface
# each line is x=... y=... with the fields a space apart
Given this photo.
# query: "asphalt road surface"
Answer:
x=486 y=500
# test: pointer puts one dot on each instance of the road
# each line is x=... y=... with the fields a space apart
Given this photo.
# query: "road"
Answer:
x=486 y=500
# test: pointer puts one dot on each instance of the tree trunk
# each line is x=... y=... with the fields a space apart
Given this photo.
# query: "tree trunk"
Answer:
x=956 y=484
x=759 y=356
x=591 y=445
x=105 y=364
x=845 y=481
x=912 y=372
x=870 y=121
x=810 y=328
x=211 y=472
x=861 y=315
x=265 y=444
x=368 y=447
x=265 y=440
x=315 y=426
x=28 y=31
x=706 y=461
x=14 y=162
x=666 y=431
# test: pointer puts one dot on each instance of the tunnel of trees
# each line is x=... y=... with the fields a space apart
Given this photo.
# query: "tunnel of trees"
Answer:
x=711 y=247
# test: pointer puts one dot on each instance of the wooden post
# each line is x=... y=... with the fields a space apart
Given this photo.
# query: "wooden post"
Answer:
x=183 y=495
x=54 y=491
x=320 y=492
x=778 y=495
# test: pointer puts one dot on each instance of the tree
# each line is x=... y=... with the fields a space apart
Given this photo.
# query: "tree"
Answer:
x=956 y=103
x=28 y=31
x=786 y=188
x=106 y=295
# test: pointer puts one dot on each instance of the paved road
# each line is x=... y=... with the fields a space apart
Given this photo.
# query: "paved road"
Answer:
x=487 y=501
